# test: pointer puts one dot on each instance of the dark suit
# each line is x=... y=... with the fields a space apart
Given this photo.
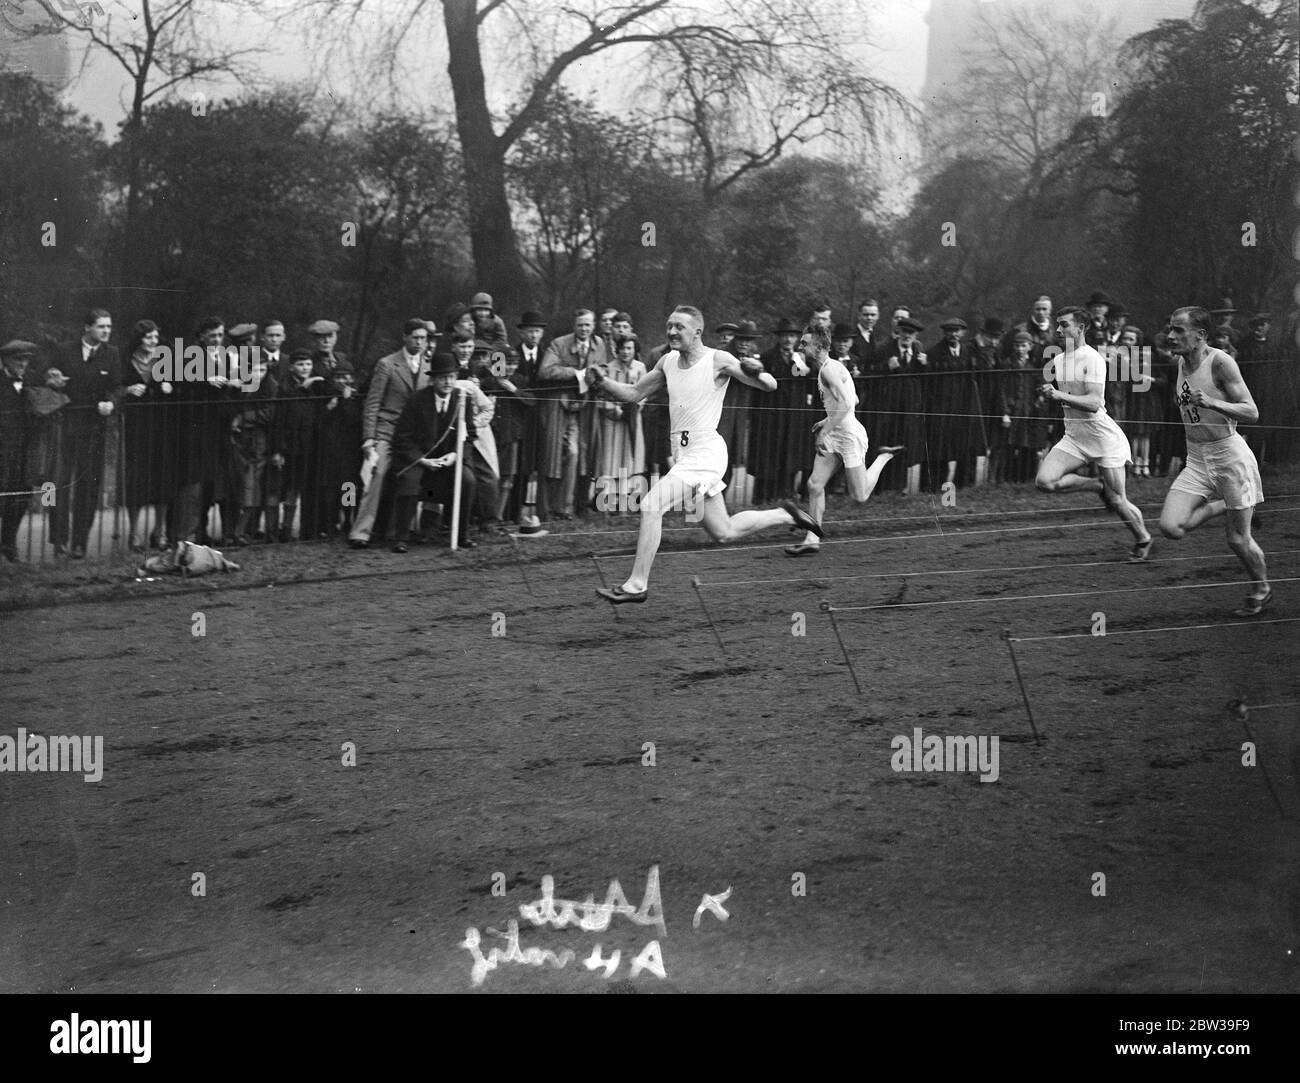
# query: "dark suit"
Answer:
x=568 y=427
x=79 y=463
x=17 y=441
x=424 y=432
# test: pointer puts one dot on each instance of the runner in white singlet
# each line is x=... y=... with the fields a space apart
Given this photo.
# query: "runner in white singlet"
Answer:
x=1091 y=434
x=841 y=438
x=1222 y=475
x=696 y=379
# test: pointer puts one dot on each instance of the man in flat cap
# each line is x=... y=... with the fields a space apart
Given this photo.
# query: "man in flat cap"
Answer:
x=725 y=332
x=17 y=442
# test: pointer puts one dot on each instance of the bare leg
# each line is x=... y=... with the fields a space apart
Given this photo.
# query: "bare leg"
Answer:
x=667 y=493
x=725 y=528
x=1056 y=474
x=1113 y=478
x=1247 y=549
x=824 y=467
x=1186 y=511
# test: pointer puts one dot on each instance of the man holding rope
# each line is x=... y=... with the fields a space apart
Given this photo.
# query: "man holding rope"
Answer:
x=697 y=379
x=1222 y=475
x=840 y=438
x=1091 y=434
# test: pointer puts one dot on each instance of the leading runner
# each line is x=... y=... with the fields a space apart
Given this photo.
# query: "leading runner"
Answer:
x=696 y=378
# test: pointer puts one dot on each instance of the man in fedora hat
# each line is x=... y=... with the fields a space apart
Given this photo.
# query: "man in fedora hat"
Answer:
x=424 y=446
x=696 y=378
x=1098 y=307
x=17 y=442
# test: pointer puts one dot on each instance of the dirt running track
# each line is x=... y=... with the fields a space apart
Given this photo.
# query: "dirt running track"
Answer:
x=522 y=754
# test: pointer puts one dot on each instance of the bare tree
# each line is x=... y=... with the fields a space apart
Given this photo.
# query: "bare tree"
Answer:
x=754 y=48
x=166 y=47
x=1033 y=72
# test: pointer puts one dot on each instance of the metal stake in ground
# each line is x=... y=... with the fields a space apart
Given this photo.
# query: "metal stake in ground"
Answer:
x=695 y=582
x=826 y=607
x=523 y=566
x=1006 y=634
x=601 y=572
x=1239 y=710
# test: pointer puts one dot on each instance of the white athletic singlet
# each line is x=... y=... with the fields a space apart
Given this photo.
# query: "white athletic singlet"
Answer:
x=1075 y=370
x=694 y=397
x=837 y=376
x=1203 y=426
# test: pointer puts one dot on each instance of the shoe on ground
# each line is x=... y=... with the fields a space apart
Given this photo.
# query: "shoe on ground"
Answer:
x=801 y=518
x=78 y=552
x=358 y=543
x=1254 y=606
x=619 y=596
x=467 y=543
x=1141 y=552
x=803 y=549
x=400 y=547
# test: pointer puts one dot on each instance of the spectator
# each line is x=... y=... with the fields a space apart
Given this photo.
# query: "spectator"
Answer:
x=618 y=451
x=1023 y=410
x=396 y=377
x=1039 y=327
x=488 y=326
x=902 y=397
x=511 y=426
x=89 y=373
x=1142 y=398
x=338 y=477
x=424 y=446
x=773 y=457
x=297 y=435
x=258 y=490
x=566 y=446
x=277 y=360
x=532 y=348
x=17 y=443
x=149 y=438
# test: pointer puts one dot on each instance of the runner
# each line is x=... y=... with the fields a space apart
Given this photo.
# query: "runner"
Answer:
x=1222 y=474
x=696 y=378
x=1091 y=434
x=841 y=439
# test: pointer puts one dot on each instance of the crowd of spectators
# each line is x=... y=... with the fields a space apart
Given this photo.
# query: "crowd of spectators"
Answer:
x=257 y=442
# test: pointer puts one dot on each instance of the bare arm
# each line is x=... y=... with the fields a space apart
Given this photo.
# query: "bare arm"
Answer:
x=1238 y=403
x=652 y=381
x=1090 y=403
x=750 y=371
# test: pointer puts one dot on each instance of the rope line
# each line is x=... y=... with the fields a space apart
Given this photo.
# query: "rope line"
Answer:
x=975 y=571
x=1038 y=597
x=1172 y=628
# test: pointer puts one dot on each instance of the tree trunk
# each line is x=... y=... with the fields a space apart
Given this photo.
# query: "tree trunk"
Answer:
x=492 y=231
